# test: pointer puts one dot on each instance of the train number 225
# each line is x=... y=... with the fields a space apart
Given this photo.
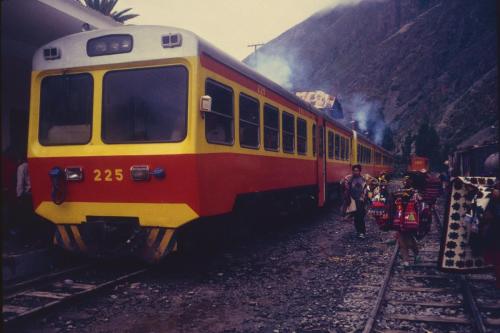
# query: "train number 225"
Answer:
x=108 y=175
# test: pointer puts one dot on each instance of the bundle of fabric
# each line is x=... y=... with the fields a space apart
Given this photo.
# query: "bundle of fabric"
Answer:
x=464 y=230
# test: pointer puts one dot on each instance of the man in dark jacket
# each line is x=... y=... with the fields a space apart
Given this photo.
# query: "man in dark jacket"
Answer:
x=355 y=188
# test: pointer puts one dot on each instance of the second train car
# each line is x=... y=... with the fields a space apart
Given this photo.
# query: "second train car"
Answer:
x=139 y=130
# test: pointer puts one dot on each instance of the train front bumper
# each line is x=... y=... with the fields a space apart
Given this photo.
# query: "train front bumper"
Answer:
x=115 y=239
x=144 y=230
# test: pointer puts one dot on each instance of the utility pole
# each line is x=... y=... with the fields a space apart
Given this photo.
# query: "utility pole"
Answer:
x=255 y=46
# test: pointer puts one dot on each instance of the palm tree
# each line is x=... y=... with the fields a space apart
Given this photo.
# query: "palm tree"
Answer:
x=106 y=7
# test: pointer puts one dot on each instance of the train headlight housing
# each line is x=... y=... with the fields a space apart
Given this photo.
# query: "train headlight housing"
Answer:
x=171 y=40
x=74 y=174
x=139 y=172
x=111 y=44
x=52 y=53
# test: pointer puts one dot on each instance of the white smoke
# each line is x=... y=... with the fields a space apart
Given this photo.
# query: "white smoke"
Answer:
x=368 y=115
x=361 y=110
x=274 y=68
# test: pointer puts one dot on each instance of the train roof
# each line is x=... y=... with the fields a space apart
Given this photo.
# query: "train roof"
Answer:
x=147 y=45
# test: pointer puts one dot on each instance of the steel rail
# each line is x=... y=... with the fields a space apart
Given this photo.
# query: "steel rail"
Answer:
x=51 y=305
x=25 y=284
x=471 y=305
x=371 y=319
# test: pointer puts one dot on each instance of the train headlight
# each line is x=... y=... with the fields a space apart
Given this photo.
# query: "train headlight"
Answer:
x=111 y=44
x=139 y=172
x=74 y=174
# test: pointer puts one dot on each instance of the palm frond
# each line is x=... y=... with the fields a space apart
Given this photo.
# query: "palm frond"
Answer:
x=124 y=18
x=106 y=7
x=115 y=14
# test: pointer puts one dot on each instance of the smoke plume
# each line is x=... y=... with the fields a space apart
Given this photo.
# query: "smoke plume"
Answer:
x=368 y=114
x=273 y=67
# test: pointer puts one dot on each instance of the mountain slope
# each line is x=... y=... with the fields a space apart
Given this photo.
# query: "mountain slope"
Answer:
x=414 y=59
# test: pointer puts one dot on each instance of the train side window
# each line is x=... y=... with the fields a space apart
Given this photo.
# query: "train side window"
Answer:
x=314 y=139
x=249 y=122
x=301 y=136
x=66 y=109
x=321 y=141
x=342 y=148
x=288 y=130
x=330 y=144
x=337 y=147
x=219 y=125
x=271 y=128
x=358 y=157
x=348 y=149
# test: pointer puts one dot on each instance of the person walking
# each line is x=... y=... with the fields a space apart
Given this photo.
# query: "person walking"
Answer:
x=355 y=190
x=406 y=239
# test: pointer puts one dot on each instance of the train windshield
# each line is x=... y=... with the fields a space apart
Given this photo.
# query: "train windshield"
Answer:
x=145 y=105
x=66 y=109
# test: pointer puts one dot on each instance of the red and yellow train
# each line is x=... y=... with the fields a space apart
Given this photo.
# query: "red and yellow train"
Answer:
x=139 y=130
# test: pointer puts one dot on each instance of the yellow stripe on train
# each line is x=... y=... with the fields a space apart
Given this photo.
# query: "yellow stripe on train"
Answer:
x=168 y=215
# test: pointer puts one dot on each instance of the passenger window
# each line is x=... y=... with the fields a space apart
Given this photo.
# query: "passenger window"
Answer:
x=330 y=144
x=288 y=132
x=348 y=149
x=301 y=136
x=271 y=128
x=219 y=126
x=342 y=148
x=314 y=139
x=321 y=141
x=337 y=147
x=249 y=122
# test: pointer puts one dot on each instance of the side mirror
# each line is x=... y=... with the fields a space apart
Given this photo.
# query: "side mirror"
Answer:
x=205 y=105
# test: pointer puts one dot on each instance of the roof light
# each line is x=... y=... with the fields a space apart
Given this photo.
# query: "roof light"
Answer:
x=171 y=40
x=51 y=53
x=111 y=44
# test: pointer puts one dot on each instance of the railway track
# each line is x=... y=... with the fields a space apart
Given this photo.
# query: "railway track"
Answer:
x=45 y=293
x=420 y=298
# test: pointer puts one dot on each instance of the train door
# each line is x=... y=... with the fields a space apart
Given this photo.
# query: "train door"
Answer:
x=321 y=163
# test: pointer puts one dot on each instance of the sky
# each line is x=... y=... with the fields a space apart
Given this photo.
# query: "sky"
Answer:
x=231 y=25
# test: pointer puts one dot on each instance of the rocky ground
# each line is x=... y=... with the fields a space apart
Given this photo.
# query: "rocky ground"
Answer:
x=284 y=274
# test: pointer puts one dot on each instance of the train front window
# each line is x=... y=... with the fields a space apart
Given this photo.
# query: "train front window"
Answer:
x=145 y=105
x=65 y=110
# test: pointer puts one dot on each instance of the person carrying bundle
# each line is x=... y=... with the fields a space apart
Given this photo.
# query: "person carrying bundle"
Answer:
x=406 y=213
x=355 y=192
